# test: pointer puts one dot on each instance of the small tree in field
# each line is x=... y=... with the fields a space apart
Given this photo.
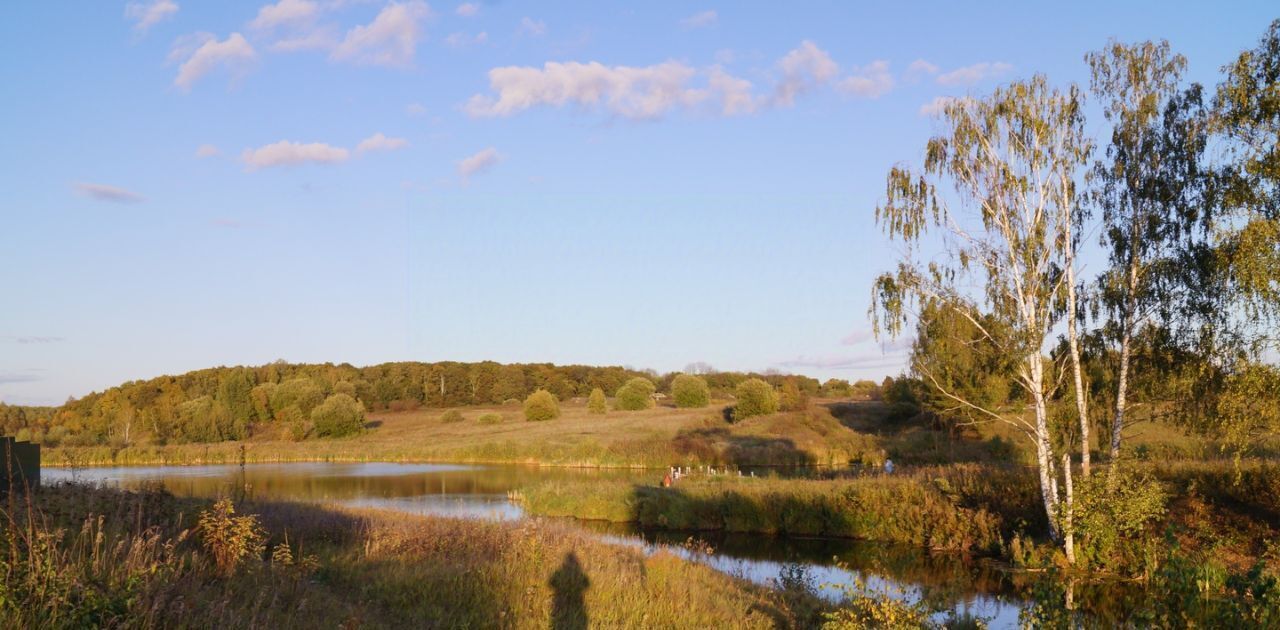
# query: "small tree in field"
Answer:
x=636 y=394
x=337 y=416
x=755 y=398
x=541 y=405
x=690 y=391
x=596 y=403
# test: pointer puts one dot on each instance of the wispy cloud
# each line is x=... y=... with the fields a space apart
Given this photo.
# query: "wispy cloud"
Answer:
x=147 y=14
x=803 y=69
x=919 y=68
x=35 y=339
x=286 y=153
x=391 y=39
x=207 y=151
x=201 y=53
x=970 y=75
x=7 y=378
x=103 y=192
x=870 y=81
x=632 y=92
x=654 y=91
x=700 y=20
x=380 y=142
x=532 y=27
x=845 y=362
x=467 y=9
x=481 y=162
x=460 y=40
x=286 y=13
x=415 y=109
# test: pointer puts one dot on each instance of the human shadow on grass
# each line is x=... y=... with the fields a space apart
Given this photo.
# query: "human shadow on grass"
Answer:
x=569 y=584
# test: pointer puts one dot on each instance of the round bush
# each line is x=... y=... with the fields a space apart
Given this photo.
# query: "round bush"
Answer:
x=451 y=416
x=636 y=394
x=490 y=418
x=596 y=403
x=541 y=405
x=755 y=398
x=337 y=416
x=690 y=391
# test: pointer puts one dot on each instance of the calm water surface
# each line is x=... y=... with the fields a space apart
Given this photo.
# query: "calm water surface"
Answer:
x=947 y=581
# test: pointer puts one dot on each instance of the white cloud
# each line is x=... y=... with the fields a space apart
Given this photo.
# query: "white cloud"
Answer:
x=870 y=81
x=700 y=20
x=146 y=15
x=286 y=153
x=919 y=67
x=379 y=142
x=969 y=75
x=530 y=26
x=936 y=106
x=415 y=109
x=478 y=163
x=467 y=9
x=803 y=69
x=287 y=13
x=628 y=91
x=103 y=192
x=391 y=39
x=735 y=94
x=202 y=53
x=207 y=150
x=459 y=40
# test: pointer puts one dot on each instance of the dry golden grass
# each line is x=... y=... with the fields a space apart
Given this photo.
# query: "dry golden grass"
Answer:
x=656 y=438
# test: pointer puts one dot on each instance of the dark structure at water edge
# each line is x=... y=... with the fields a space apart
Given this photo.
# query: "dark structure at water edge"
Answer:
x=21 y=464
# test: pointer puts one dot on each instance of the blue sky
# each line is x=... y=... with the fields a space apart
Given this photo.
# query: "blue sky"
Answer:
x=194 y=184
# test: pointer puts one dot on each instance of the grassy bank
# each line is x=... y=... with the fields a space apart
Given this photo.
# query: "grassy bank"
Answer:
x=652 y=438
x=81 y=556
x=959 y=508
x=1213 y=510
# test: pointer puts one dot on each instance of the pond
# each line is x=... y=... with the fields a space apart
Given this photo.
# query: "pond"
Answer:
x=949 y=581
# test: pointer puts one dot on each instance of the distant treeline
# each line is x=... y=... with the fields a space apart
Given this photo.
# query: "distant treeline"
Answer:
x=231 y=403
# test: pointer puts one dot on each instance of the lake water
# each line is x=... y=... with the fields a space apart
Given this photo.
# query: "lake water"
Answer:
x=945 y=580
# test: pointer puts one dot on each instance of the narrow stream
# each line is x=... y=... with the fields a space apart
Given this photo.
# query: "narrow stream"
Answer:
x=947 y=581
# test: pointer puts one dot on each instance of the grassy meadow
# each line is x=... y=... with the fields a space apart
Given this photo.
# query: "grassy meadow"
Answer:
x=81 y=556
x=654 y=438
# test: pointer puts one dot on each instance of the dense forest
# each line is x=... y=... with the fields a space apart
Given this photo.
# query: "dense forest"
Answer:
x=298 y=401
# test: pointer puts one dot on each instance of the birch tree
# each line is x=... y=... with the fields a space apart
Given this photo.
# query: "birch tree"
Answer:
x=1147 y=187
x=981 y=228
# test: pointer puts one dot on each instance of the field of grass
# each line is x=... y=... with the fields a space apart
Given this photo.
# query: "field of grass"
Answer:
x=656 y=438
x=80 y=556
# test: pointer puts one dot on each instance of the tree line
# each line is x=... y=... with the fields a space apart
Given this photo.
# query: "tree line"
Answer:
x=1178 y=320
x=319 y=400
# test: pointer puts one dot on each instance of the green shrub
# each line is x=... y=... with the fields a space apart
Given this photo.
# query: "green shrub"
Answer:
x=490 y=418
x=690 y=391
x=636 y=394
x=755 y=398
x=337 y=416
x=451 y=416
x=793 y=398
x=596 y=403
x=541 y=405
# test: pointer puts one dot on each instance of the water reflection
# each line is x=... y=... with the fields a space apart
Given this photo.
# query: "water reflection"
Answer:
x=951 y=582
